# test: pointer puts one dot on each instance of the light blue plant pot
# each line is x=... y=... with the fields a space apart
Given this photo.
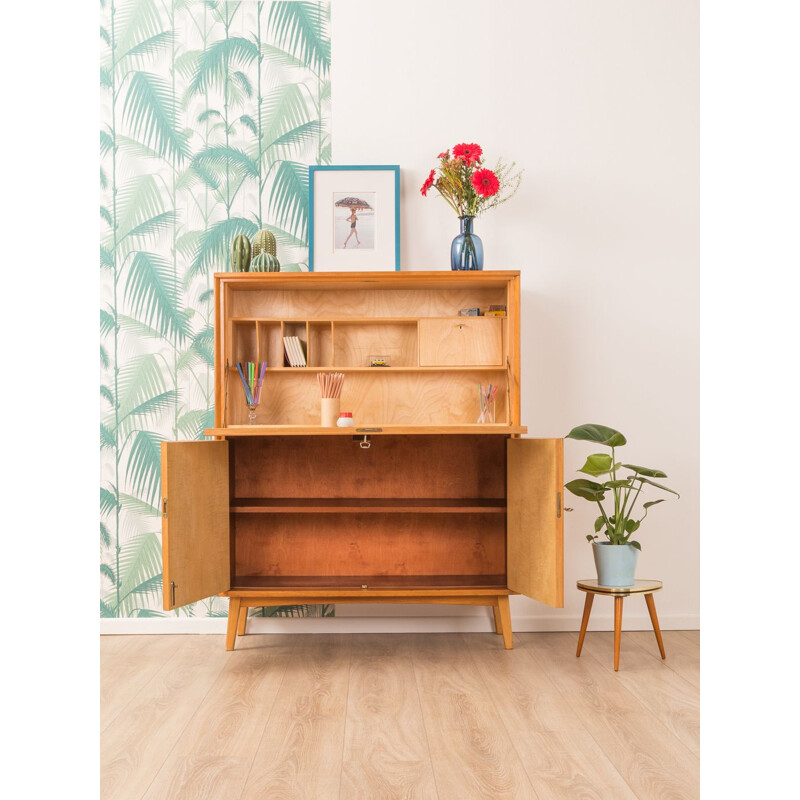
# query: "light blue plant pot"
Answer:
x=615 y=563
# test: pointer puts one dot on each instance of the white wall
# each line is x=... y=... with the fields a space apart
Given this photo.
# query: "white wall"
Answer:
x=599 y=103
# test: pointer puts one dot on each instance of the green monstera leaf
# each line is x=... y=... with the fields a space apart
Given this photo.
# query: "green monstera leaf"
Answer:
x=657 y=485
x=601 y=434
x=589 y=490
x=654 y=503
x=598 y=464
x=647 y=471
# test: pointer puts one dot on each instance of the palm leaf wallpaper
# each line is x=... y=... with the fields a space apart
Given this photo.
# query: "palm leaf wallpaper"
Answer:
x=210 y=114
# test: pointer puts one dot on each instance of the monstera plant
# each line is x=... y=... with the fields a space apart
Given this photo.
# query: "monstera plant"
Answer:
x=620 y=517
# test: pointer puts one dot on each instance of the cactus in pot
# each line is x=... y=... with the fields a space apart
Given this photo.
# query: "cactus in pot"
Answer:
x=264 y=241
x=265 y=262
x=240 y=253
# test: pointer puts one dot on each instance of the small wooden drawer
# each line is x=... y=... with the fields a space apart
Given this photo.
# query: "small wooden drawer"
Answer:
x=461 y=342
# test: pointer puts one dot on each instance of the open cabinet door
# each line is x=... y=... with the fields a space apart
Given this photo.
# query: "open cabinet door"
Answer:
x=195 y=521
x=535 y=524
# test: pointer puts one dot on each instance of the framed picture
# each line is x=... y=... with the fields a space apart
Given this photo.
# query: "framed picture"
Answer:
x=353 y=218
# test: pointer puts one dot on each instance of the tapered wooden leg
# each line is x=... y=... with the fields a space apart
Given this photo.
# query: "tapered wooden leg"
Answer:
x=617 y=630
x=242 y=621
x=233 y=620
x=587 y=609
x=504 y=611
x=651 y=607
x=498 y=623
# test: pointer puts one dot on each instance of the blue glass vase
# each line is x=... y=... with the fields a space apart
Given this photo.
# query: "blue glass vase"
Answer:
x=466 y=252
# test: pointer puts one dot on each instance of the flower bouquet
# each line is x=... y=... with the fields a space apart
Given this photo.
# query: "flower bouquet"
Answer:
x=470 y=188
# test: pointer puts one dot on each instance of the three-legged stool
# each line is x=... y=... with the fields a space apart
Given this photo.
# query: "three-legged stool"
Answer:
x=592 y=587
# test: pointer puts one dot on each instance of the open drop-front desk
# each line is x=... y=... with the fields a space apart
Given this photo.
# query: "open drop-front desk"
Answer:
x=416 y=504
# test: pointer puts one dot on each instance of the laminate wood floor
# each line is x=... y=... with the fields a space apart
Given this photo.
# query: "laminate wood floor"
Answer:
x=380 y=716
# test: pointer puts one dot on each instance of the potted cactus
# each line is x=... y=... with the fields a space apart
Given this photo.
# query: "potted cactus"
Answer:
x=615 y=558
x=240 y=253
x=265 y=254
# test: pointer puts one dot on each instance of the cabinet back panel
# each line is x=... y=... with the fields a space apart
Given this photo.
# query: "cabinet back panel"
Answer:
x=354 y=344
x=320 y=344
x=343 y=303
x=368 y=544
x=435 y=466
x=375 y=397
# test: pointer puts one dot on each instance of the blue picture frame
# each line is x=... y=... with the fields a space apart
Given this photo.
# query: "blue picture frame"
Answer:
x=383 y=180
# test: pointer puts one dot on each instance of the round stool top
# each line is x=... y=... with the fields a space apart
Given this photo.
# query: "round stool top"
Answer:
x=639 y=587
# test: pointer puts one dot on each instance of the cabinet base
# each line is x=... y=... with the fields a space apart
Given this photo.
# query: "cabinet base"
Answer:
x=241 y=600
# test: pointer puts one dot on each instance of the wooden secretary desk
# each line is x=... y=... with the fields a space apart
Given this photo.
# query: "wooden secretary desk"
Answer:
x=418 y=503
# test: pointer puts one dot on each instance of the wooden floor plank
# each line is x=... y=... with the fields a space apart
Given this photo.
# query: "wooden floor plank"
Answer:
x=385 y=748
x=127 y=665
x=654 y=763
x=683 y=656
x=114 y=645
x=213 y=757
x=300 y=752
x=471 y=752
x=430 y=716
x=671 y=699
x=559 y=755
x=135 y=746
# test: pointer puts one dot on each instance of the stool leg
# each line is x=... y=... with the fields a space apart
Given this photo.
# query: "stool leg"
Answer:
x=617 y=630
x=651 y=607
x=587 y=609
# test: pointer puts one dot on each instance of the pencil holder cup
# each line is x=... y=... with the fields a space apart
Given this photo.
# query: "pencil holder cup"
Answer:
x=487 y=412
x=329 y=411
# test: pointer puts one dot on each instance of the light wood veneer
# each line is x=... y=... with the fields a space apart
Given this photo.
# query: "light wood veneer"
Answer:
x=417 y=504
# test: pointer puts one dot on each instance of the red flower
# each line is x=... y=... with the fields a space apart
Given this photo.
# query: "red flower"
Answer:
x=446 y=154
x=485 y=182
x=428 y=183
x=468 y=152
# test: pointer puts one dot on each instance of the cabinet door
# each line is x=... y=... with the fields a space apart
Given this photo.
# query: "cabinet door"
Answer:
x=461 y=342
x=195 y=521
x=535 y=525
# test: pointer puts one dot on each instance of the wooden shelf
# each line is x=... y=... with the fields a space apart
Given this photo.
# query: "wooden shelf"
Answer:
x=328 y=320
x=366 y=505
x=375 y=582
x=376 y=370
x=354 y=281
x=367 y=430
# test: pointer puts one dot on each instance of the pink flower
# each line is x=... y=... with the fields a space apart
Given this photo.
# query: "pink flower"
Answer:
x=446 y=154
x=428 y=183
x=468 y=152
x=485 y=182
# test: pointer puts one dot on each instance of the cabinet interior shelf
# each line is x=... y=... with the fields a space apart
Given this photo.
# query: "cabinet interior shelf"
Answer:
x=379 y=370
x=366 y=505
x=357 y=582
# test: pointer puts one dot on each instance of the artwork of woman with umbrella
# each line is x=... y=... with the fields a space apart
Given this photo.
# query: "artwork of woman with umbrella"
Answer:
x=350 y=225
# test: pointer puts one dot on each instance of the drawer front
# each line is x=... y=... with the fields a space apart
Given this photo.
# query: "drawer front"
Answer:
x=461 y=342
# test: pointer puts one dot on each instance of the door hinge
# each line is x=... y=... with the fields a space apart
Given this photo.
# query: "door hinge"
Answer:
x=164 y=507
